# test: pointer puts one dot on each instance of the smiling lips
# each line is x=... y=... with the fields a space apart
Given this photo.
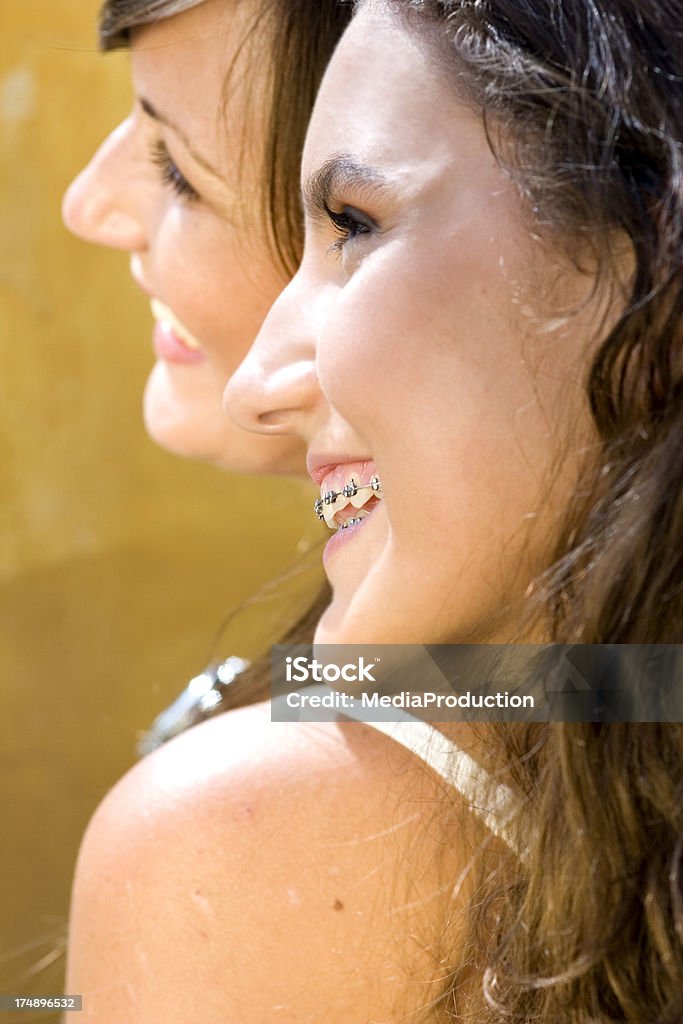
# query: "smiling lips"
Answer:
x=172 y=340
x=344 y=492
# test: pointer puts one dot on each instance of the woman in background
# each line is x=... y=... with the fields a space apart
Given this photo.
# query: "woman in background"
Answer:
x=200 y=185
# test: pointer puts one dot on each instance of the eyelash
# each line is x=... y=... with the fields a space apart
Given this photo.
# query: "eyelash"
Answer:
x=170 y=175
x=350 y=224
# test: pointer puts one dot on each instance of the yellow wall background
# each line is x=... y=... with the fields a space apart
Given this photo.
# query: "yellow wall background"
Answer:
x=117 y=561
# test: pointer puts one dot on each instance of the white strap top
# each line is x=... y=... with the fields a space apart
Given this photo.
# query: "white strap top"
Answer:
x=493 y=802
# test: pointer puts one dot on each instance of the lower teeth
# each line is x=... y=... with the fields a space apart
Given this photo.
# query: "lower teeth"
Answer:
x=351 y=522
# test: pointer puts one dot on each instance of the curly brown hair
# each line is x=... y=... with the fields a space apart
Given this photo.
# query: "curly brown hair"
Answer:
x=583 y=104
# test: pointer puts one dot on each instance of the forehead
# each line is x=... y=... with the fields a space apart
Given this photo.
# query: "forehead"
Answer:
x=388 y=99
x=191 y=43
x=180 y=65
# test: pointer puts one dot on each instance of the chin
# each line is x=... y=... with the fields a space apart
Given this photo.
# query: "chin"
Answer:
x=177 y=439
x=177 y=415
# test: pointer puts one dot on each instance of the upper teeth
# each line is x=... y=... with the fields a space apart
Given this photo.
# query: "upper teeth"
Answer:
x=164 y=313
x=328 y=505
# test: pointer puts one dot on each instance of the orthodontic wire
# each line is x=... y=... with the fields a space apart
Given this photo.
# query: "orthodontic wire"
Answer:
x=349 y=490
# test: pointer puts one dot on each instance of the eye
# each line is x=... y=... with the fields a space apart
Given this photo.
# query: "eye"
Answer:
x=350 y=224
x=170 y=175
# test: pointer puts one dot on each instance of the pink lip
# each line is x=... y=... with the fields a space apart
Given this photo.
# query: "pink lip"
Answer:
x=169 y=347
x=320 y=466
x=340 y=538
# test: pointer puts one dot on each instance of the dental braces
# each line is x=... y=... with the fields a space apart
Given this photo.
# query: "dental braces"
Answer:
x=351 y=522
x=349 y=490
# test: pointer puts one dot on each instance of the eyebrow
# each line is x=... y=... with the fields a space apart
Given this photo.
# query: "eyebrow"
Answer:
x=336 y=175
x=162 y=119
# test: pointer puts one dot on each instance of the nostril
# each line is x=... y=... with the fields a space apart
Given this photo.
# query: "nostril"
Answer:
x=121 y=231
x=274 y=390
x=274 y=419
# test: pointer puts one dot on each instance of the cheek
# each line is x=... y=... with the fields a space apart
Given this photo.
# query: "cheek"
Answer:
x=215 y=281
x=368 y=342
x=402 y=341
x=437 y=369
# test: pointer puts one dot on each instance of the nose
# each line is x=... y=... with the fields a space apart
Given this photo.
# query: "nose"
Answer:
x=102 y=204
x=275 y=388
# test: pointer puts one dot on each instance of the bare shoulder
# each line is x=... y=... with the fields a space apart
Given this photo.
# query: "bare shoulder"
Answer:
x=251 y=871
